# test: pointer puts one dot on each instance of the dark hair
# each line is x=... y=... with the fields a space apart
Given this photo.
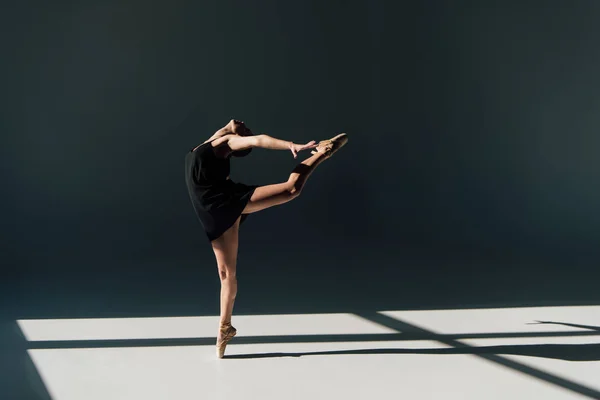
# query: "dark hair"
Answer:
x=242 y=153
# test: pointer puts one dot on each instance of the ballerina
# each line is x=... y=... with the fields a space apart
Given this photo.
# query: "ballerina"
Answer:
x=222 y=205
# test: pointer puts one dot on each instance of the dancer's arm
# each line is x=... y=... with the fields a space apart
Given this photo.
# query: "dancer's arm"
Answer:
x=267 y=142
x=236 y=142
x=271 y=143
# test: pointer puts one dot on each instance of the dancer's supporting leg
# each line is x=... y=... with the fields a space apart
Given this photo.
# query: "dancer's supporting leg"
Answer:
x=226 y=246
x=226 y=251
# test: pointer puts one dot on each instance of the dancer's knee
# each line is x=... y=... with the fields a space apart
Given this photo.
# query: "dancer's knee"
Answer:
x=295 y=192
x=229 y=284
x=295 y=186
x=226 y=273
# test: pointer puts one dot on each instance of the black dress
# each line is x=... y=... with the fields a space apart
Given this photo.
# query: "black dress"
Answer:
x=217 y=200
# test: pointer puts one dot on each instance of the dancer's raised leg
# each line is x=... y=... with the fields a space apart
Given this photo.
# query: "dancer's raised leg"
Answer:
x=279 y=193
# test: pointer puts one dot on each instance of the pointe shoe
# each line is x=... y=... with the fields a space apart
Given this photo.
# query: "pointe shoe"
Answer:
x=227 y=333
x=330 y=146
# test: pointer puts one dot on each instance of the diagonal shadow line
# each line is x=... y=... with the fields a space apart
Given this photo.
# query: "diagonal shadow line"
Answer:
x=204 y=341
x=590 y=327
x=570 y=352
x=399 y=325
x=19 y=377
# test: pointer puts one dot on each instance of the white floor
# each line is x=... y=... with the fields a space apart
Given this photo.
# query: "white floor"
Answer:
x=274 y=359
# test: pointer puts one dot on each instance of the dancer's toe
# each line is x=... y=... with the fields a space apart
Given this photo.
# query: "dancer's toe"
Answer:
x=330 y=146
x=226 y=333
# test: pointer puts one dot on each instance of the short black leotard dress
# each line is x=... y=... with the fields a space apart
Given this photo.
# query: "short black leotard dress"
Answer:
x=217 y=200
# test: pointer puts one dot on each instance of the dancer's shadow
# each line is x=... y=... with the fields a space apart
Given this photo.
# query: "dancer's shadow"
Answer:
x=567 y=352
x=590 y=327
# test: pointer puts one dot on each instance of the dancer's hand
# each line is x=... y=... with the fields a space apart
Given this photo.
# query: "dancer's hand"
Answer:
x=295 y=148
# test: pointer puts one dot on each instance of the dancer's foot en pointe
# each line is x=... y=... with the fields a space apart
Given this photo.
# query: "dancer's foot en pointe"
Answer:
x=226 y=333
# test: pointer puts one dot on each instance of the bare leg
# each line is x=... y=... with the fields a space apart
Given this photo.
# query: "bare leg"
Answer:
x=279 y=193
x=272 y=195
x=226 y=250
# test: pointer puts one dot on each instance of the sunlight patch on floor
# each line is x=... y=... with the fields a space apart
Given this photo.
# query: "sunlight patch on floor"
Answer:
x=415 y=369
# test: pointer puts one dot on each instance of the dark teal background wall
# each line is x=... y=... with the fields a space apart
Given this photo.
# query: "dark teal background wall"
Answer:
x=473 y=143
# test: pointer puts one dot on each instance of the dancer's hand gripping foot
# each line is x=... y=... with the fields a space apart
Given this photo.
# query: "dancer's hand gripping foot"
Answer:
x=226 y=333
x=330 y=146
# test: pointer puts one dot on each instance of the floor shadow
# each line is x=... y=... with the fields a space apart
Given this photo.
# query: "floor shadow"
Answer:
x=338 y=338
x=590 y=327
x=19 y=377
x=567 y=352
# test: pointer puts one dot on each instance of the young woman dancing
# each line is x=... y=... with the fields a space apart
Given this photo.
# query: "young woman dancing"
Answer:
x=222 y=205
